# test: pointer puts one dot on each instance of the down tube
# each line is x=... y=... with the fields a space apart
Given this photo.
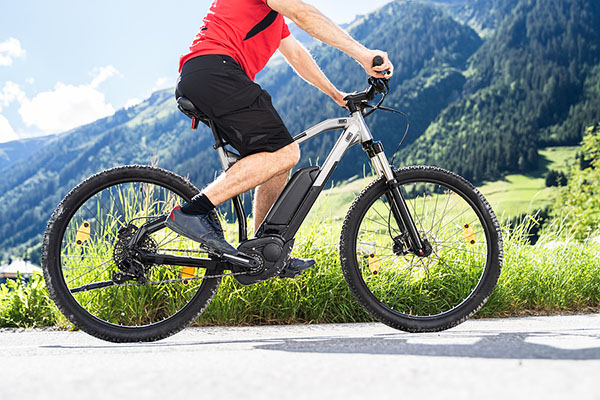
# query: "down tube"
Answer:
x=345 y=140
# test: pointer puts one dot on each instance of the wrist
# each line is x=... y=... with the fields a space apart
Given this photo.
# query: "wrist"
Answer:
x=364 y=57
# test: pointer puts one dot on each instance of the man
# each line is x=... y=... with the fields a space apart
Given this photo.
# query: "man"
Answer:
x=236 y=41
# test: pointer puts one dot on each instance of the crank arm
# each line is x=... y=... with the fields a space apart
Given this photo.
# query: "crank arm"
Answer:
x=209 y=263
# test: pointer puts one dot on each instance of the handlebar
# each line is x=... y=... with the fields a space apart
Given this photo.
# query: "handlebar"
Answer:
x=356 y=101
x=377 y=61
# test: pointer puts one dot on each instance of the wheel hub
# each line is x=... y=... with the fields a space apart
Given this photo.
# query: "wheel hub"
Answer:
x=402 y=247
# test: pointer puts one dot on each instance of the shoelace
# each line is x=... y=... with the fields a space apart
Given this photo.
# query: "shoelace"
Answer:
x=215 y=227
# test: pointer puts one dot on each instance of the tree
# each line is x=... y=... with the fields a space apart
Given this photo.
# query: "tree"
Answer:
x=577 y=207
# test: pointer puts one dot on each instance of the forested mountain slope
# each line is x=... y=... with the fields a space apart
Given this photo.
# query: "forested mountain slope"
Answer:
x=12 y=152
x=535 y=82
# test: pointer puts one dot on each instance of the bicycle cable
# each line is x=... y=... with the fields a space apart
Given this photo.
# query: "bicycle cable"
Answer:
x=379 y=107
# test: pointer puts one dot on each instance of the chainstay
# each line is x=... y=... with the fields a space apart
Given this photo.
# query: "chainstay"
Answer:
x=203 y=250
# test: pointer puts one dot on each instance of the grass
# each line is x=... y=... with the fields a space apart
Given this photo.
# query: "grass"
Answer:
x=548 y=277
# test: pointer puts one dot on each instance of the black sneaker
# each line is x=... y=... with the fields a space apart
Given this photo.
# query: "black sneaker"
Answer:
x=200 y=228
x=295 y=266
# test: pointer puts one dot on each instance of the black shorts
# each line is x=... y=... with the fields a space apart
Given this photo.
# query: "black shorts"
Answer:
x=240 y=108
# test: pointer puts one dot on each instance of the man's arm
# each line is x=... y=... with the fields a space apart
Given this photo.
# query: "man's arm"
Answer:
x=303 y=63
x=320 y=27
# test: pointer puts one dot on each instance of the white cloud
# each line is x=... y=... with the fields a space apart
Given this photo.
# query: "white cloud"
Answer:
x=132 y=102
x=7 y=133
x=9 y=93
x=102 y=74
x=68 y=106
x=9 y=50
x=162 y=83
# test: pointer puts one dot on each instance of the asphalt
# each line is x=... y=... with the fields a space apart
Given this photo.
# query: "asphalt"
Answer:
x=516 y=358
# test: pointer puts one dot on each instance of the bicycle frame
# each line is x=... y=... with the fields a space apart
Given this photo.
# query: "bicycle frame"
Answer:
x=301 y=192
x=285 y=220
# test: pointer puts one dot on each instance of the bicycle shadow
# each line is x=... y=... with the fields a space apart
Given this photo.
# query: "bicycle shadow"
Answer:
x=541 y=344
x=506 y=345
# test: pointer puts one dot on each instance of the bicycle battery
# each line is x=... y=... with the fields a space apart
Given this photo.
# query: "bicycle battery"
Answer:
x=292 y=196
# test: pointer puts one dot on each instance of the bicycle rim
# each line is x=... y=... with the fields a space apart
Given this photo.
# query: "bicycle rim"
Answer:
x=92 y=249
x=430 y=287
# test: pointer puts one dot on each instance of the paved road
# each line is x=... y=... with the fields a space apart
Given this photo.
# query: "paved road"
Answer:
x=517 y=358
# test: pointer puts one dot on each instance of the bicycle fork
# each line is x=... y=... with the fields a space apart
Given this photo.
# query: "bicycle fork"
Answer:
x=394 y=197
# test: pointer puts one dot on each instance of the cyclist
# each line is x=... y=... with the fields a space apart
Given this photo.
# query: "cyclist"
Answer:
x=235 y=42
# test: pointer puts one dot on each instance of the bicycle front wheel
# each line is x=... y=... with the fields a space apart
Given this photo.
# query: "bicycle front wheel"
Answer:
x=416 y=293
x=93 y=275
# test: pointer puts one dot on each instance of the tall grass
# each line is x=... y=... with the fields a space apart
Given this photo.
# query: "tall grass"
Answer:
x=549 y=277
x=25 y=305
x=553 y=276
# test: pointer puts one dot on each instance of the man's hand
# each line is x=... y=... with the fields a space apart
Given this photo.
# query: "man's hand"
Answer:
x=339 y=98
x=379 y=71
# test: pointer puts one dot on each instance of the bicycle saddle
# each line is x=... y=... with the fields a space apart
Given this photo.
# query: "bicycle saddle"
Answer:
x=186 y=106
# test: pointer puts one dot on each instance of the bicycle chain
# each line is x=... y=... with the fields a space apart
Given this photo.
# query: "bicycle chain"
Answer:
x=185 y=279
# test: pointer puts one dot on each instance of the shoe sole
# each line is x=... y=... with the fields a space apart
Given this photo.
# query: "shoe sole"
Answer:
x=171 y=225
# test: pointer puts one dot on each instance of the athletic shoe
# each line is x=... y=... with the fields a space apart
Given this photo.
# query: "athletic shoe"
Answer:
x=200 y=228
x=295 y=266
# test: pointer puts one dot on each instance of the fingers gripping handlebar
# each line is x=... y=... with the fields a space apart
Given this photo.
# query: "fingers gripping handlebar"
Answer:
x=377 y=85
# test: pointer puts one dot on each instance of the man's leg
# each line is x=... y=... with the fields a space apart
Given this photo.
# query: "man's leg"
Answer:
x=252 y=171
x=265 y=195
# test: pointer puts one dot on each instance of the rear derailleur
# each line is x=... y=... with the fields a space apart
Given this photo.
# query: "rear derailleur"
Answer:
x=127 y=257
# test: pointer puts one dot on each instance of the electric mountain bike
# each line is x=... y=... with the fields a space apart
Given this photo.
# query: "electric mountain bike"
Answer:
x=420 y=247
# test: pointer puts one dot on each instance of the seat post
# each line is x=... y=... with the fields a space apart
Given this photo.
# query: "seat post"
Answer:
x=218 y=140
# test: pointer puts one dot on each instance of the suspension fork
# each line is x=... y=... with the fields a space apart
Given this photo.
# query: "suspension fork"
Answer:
x=394 y=196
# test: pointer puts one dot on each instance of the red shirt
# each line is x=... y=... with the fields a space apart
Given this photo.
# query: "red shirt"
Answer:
x=247 y=30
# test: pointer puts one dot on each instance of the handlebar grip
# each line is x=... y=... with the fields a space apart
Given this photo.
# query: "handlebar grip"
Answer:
x=377 y=61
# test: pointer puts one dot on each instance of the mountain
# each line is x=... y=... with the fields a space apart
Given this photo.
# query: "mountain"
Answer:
x=533 y=83
x=484 y=16
x=11 y=152
x=429 y=59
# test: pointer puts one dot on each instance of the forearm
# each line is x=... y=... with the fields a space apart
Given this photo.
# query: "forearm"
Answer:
x=307 y=68
x=320 y=27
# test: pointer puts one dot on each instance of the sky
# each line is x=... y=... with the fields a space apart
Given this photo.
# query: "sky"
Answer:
x=65 y=63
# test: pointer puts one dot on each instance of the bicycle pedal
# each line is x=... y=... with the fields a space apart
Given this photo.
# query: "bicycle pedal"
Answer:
x=289 y=274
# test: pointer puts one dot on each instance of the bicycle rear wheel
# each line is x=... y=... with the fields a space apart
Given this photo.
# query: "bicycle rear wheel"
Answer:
x=85 y=252
x=422 y=294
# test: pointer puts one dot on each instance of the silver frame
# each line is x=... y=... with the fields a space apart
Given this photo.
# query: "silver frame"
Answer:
x=354 y=130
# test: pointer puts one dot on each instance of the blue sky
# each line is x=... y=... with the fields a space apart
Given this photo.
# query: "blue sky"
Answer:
x=64 y=63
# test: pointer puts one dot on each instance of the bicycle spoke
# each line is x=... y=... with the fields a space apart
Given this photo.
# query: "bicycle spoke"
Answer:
x=431 y=285
x=141 y=295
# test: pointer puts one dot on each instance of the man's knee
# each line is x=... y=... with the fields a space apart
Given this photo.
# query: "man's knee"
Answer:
x=290 y=155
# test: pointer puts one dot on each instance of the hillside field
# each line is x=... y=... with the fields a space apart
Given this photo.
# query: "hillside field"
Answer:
x=513 y=195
